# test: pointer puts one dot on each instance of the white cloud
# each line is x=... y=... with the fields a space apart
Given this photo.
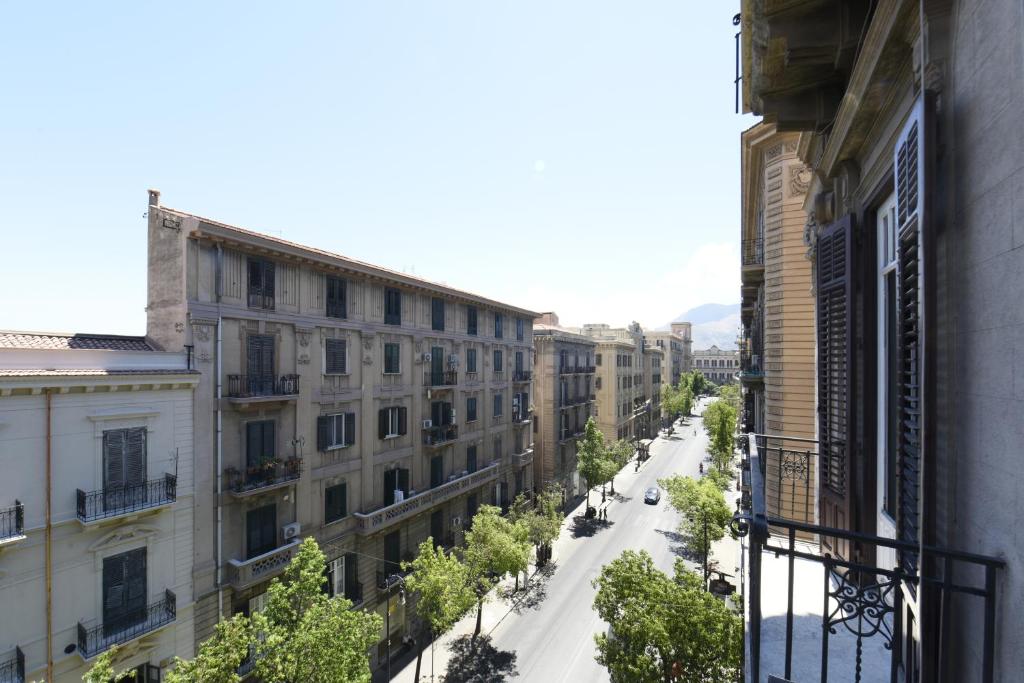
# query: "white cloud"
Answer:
x=709 y=275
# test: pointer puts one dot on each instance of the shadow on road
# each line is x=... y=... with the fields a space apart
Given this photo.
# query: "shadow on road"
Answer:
x=583 y=527
x=481 y=664
x=619 y=498
x=532 y=597
x=680 y=545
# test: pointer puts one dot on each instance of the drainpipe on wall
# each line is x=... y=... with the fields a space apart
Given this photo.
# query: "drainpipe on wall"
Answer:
x=49 y=541
x=220 y=468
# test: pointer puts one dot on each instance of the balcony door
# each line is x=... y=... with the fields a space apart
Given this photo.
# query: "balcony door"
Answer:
x=260 y=443
x=436 y=471
x=261 y=530
x=395 y=480
x=436 y=364
x=392 y=553
x=124 y=591
x=260 y=364
x=437 y=527
x=124 y=467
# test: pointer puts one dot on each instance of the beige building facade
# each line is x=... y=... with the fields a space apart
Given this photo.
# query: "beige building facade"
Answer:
x=717 y=365
x=364 y=407
x=564 y=399
x=684 y=330
x=96 y=505
x=674 y=347
x=653 y=370
x=619 y=381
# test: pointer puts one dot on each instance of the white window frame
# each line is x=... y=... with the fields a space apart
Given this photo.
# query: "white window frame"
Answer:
x=887 y=243
x=336 y=570
x=393 y=422
x=336 y=431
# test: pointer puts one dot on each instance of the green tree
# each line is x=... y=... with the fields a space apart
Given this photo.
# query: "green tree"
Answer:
x=618 y=454
x=663 y=628
x=102 y=670
x=301 y=635
x=685 y=398
x=592 y=457
x=440 y=583
x=542 y=518
x=720 y=424
x=721 y=479
x=699 y=502
x=731 y=394
x=494 y=547
x=698 y=383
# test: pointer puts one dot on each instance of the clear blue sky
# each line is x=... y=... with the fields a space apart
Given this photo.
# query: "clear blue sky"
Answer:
x=581 y=157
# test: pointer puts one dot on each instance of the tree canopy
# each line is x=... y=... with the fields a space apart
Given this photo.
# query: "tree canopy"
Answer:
x=594 y=460
x=698 y=501
x=494 y=547
x=720 y=424
x=663 y=628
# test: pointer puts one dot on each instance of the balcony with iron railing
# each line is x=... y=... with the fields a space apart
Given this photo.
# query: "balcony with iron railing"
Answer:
x=521 y=416
x=270 y=474
x=12 y=526
x=750 y=367
x=522 y=376
x=522 y=457
x=118 y=501
x=372 y=522
x=438 y=380
x=585 y=369
x=440 y=435
x=135 y=624
x=566 y=369
x=12 y=668
x=569 y=401
x=826 y=603
x=245 y=573
x=244 y=390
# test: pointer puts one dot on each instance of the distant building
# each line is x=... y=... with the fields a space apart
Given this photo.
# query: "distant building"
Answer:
x=717 y=365
x=96 y=505
x=623 y=411
x=564 y=398
x=674 y=348
x=685 y=331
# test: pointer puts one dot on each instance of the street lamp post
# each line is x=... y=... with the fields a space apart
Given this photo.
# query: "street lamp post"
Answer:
x=392 y=581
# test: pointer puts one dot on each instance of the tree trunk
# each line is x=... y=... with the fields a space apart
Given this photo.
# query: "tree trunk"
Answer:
x=588 y=494
x=419 y=657
x=479 y=617
x=517 y=582
x=613 y=485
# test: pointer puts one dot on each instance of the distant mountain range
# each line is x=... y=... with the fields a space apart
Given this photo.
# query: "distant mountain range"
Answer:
x=713 y=324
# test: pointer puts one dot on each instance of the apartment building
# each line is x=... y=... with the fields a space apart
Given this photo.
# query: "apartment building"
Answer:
x=96 y=505
x=564 y=399
x=619 y=381
x=364 y=407
x=908 y=117
x=684 y=330
x=674 y=347
x=653 y=362
x=717 y=365
x=777 y=352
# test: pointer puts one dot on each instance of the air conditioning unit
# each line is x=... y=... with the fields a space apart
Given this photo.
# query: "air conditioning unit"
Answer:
x=427 y=424
x=426 y=357
x=290 y=531
x=399 y=495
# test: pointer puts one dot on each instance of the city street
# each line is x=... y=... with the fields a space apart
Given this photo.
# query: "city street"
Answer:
x=548 y=635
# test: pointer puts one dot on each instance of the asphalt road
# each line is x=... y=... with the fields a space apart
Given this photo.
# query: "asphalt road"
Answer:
x=553 y=638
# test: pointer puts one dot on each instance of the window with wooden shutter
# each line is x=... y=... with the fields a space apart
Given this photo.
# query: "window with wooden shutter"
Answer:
x=335 y=502
x=392 y=306
x=336 y=357
x=403 y=420
x=353 y=590
x=520 y=329
x=498 y=326
x=471 y=409
x=335 y=431
x=499 y=366
x=336 y=577
x=124 y=457
x=437 y=314
x=124 y=591
x=261 y=283
x=471 y=459
x=392 y=362
x=471 y=315
x=336 y=297
x=835 y=328
x=913 y=170
x=470 y=360
x=260 y=364
x=350 y=429
x=260 y=442
x=261 y=530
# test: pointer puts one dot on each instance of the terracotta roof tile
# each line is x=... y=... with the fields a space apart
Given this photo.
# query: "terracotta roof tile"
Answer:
x=64 y=342
x=79 y=372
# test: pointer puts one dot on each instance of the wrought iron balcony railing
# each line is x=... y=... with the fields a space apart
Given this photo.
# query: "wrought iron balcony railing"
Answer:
x=93 y=506
x=522 y=416
x=12 y=524
x=438 y=435
x=585 y=369
x=566 y=369
x=863 y=592
x=522 y=376
x=446 y=378
x=270 y=473
x=753 y=252
x=12 y=669
x=92 y=641
x=256 y=386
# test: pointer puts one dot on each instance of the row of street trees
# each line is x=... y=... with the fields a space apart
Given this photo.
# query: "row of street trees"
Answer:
x=720 y=424
x=598 y=462
x=304 y=635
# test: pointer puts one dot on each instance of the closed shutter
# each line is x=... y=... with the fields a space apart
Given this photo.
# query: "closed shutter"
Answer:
x=390 y=484
x=261 y=530
x=260 y=443
x=350 y=428
x=382 y=423
x=260 y=357
x=335 y=351
x=124 y=590
x=835 y=329
x=135 y=456
x=268 y=285
x=436 y=471
x=913 y=175
x=352 y=577
x=255 y=290
x=113 y=459
x=323 y=432
x=403 y=480
x=336 y=303
x=403 y=414
x=447 y=416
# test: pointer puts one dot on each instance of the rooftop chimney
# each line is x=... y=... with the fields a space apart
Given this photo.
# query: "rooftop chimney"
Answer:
x=154 y=197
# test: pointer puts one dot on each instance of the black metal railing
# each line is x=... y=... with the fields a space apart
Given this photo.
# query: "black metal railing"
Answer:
x=445 y=378
x=254 y=386
x=573 y=400
x=750 y=363
x=12 y=669
x=862 y=599
x=270 y=472
x=522 y=376
x=753 y=252
x=521 y=415
x=440 y=434
x=566 y=369
x=119 y=500
x=92 y=641
x=12 y=522
x=586 y=369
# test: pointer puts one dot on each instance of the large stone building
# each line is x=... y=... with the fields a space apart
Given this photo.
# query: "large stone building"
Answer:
x=619 y=382
x=717 y=365
x=908 y=116
x=777 y=346
x=653 y=370
x=361 y=406
x=96 y=505
x=564 y=399
x=675 y=348
x=684 y=330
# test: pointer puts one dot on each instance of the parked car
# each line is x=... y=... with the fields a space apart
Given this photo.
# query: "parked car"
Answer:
x=652 y=495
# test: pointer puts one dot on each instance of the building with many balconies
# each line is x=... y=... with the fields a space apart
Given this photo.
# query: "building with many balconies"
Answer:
x=620 y=379
x=362 y=406
x=717 y=365
x=675 y=347
x=96 y=505
x=564 y=399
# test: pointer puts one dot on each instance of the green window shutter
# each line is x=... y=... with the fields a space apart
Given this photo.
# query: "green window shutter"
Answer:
x=350 y=428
